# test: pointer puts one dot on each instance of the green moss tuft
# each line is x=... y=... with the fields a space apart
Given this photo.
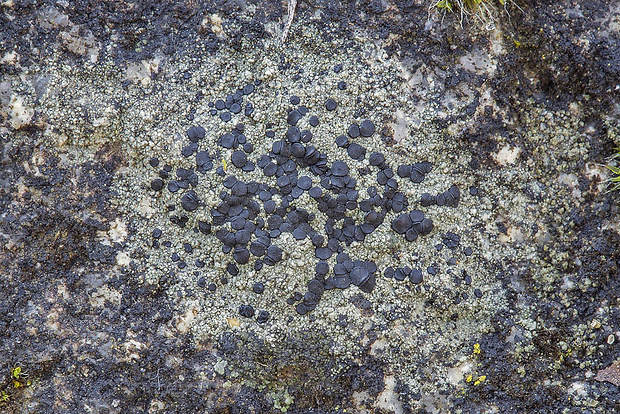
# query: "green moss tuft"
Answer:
x=615 y=180
x=480 y=11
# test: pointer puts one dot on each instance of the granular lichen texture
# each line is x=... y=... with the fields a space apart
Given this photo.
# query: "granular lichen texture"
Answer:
x=363 y=207
x=324 y=207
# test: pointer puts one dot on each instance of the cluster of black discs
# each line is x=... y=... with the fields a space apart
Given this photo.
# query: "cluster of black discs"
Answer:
x=251 y=215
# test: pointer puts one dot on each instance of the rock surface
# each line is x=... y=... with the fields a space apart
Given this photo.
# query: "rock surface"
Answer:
x=490 y=283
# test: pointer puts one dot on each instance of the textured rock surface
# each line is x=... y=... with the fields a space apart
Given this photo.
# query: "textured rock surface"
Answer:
x=518 y=313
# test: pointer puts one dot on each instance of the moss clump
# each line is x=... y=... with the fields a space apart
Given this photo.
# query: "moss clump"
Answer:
x=481 y=11
x=15 y=379
x=615 y=180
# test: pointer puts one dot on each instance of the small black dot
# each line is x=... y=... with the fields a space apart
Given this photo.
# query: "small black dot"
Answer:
x=246 y=311
x=315 y=192
x=239 y=159
x=248 y=89
x=415 y=276
x=263 y=316
x=306 y=136
x=367 y=128
x=293 y=117
x=342 y=141
x=323 y=253
x=232 y=269
x=248 y=147
x=321 y=268
x=195 y=133
x=157 y=184
x=249 y=109
x=330 y=104
x=426 y=200
x=376 y=159
x=357 y=152
x=304 y=182
x=340 y=169
x=204 y=227
x=400 y=274
x=301 y=309
x=258 y=288
x=354 y=131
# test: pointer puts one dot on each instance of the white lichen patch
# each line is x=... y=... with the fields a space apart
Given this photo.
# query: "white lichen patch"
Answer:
x=388 y=399
x=142 y=72
x=507 y=155
x=10 y=58
x=52 y=18
x=123 y=259
x=399 y=127
x=81 y=42
x=14 y=107
x=145 y=208
x=104 y=294
x=213 y=22
x=132 y=348
x=479 y=62
x=572 y=182
x=457 y=374
x=75 y=38
x=184 y=322
x=597 y=173
x=117 y=233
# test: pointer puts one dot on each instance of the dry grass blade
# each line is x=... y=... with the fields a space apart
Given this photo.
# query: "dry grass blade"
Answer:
x=289 y=20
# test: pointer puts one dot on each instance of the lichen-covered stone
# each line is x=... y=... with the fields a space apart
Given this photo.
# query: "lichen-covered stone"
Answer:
x=513 y=277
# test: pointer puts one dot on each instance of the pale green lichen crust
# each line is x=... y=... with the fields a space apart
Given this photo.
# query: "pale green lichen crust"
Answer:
x=375 y=84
